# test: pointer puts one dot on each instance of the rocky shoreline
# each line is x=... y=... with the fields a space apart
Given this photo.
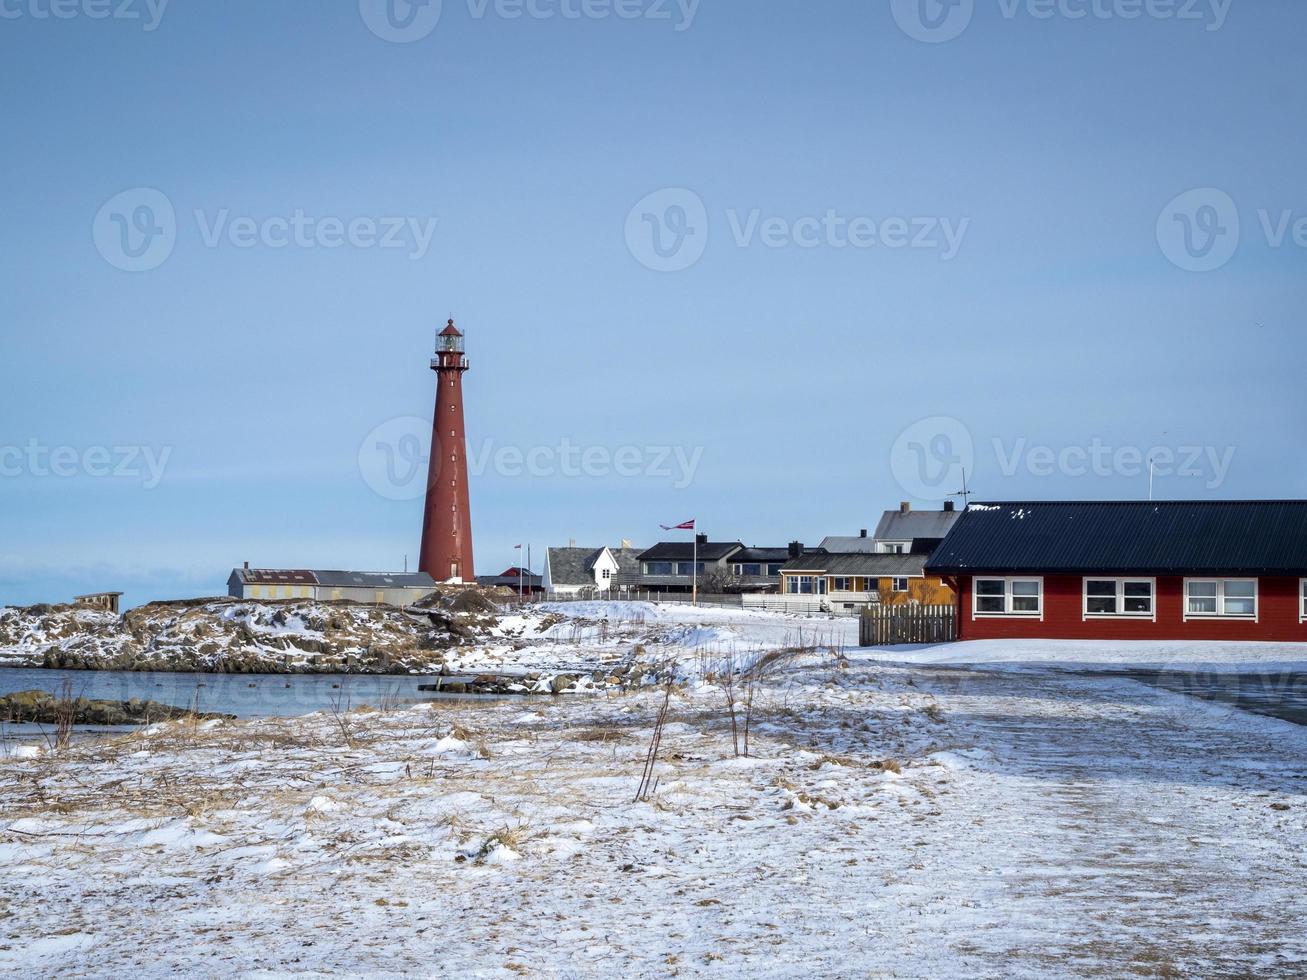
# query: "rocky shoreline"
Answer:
x=619 y=677
x=231 y=636
x=44 y=708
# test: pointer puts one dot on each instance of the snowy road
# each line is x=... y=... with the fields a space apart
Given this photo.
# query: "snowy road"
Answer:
x=910 y=821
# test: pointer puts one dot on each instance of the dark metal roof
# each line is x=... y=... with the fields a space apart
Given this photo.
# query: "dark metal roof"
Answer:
x=511 y=581
x=856 y=563
x=761 y=555
x=1166 y=537
x=684 y=551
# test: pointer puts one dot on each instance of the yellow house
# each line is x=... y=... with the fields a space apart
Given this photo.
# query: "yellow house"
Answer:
x=865 y=578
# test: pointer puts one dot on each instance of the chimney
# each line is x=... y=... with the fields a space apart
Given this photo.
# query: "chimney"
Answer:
x=904 y=507
x=948 y=506
x=702 y=539
x=862 y=533
x=796 y=549
x=247 y=566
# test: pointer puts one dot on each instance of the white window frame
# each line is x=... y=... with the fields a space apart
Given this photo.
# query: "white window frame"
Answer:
x=896 y=579
x=1220 y=613
x=1121 y=582
x=1302 y=600
x=1008 y=612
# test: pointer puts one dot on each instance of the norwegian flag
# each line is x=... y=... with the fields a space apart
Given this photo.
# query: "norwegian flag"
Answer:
x=686 y=526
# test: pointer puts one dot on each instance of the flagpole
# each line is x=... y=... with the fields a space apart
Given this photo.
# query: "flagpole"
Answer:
x=694 y=565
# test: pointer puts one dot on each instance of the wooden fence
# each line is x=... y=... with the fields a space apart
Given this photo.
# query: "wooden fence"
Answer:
x=909 y=623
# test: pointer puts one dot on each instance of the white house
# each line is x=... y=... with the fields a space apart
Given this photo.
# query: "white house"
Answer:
x=583 y=571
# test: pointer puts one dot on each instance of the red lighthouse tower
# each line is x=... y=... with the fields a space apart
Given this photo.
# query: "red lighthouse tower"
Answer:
x=447 y=521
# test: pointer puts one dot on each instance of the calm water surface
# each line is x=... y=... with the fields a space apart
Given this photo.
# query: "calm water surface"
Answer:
x=244 y=695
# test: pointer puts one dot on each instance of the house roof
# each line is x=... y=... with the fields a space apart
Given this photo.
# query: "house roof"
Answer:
x=843 y=545
x=856 y=563
x=573 y=566
x=684 y=551
x=511 y=581
x=334 y=579
x=376 y=580
x=628 y=559
x=898 y=525
x=1167 y=537
x=274 y=576
x=761 y=555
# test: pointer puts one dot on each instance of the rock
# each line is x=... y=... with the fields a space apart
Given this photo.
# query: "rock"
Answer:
x=46 y=709
x=561 y=683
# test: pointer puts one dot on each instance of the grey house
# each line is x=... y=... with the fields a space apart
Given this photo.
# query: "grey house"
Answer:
x=382 y=588
x=670 y=566
x=900 y=532
x=759 y=569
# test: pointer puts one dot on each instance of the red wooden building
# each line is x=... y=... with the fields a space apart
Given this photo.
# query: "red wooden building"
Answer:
x=1182 y=570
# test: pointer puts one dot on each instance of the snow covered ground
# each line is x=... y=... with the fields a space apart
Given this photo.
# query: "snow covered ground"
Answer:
x=910 y=820
x=1183 y=655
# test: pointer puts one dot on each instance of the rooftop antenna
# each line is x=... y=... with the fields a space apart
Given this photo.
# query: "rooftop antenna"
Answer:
x=964 y=493
x=1150 y=479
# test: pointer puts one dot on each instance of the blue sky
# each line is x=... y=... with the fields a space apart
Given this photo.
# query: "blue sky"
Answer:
x=884 y=252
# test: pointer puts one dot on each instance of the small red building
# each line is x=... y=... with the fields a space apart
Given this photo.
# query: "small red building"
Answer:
x=1125 y=570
